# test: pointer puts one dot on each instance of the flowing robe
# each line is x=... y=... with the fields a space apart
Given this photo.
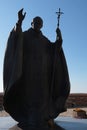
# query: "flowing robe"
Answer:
x=36 y=79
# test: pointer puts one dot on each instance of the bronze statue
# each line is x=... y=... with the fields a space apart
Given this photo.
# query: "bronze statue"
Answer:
x=35 y=90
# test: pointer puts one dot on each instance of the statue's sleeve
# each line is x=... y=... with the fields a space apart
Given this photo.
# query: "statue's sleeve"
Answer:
x=60 y=87
x=61 y=69
x=12 y=67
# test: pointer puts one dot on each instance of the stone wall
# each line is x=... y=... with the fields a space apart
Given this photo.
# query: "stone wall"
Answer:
x=74 y=100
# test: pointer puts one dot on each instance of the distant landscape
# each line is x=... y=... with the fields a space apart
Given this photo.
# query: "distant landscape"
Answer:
x=74 y=100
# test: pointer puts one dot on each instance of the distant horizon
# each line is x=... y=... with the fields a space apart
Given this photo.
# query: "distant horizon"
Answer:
x=70 y=92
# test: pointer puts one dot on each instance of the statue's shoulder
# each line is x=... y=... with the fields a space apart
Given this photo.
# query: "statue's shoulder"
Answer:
x=46 y=39
x=43 y=36
x=27 y=32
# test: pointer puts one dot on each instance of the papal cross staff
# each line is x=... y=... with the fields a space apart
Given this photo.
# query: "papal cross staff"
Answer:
x=58 y=16
x=54 y=63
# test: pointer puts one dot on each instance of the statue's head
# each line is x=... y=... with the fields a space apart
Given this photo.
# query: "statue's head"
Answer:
x=37 y=23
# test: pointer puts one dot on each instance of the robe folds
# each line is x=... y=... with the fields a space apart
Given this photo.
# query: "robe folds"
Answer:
x=35 y=76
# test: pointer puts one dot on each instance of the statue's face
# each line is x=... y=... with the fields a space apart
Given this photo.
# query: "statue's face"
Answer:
x=37 y=23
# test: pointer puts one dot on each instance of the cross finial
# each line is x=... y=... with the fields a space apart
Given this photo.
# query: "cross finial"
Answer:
x=58 y=14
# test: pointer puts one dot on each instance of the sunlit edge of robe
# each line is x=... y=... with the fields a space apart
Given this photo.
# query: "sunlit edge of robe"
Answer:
x=13 y=71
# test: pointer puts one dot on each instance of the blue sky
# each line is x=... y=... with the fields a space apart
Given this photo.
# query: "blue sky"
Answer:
x=73 y=25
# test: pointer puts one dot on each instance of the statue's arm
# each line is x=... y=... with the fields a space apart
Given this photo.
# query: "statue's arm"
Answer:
x=21 y=17
x=14 y=37
x=59 y=39
x=58 y=43
x=13 y=52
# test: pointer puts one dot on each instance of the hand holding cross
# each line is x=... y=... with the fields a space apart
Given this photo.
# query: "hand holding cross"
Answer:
x=58 y=30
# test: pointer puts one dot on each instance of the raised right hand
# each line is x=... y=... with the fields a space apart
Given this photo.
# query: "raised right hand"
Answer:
x=21 y=16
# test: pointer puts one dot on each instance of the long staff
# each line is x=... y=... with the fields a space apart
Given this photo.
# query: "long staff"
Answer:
x=59 y=13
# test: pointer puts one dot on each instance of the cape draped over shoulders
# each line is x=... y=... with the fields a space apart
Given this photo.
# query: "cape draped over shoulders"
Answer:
x=12 y=76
